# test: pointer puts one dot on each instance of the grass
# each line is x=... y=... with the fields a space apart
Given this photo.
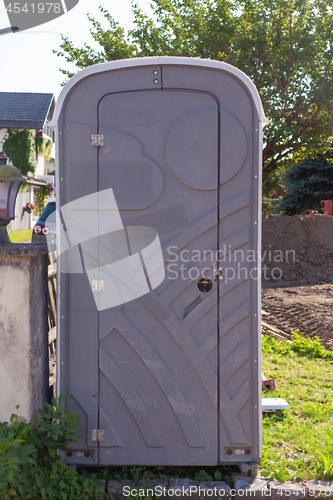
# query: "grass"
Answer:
x=298 y=443
x=23 y=236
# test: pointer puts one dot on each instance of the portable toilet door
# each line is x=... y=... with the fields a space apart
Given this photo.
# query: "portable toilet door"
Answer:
x=158 y=220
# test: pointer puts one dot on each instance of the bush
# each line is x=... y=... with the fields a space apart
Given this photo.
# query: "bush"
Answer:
x=29 y=465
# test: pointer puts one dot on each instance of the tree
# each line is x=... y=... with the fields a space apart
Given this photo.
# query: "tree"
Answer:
x=308 y=183
x=284 y=46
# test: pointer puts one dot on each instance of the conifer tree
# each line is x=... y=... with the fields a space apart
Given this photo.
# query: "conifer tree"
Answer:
x=308 y=183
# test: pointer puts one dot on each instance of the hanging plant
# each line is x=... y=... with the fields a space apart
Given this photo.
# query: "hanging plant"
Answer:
x=43 y=146
x=45 y=193
x=19 y=146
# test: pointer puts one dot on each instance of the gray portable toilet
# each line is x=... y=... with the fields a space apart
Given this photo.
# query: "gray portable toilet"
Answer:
x=159 y=210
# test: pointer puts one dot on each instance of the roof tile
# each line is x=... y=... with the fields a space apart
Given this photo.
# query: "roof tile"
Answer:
x=24 y=110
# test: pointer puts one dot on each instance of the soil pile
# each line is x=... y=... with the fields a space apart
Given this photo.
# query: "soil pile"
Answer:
x=308 y=309
x=297 y=250
x=298 y=277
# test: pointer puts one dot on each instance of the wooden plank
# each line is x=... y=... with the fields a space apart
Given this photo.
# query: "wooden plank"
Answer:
x=52 y=335
x=52 y=258
x=276 y=335
x=52 y=305
x=52 y=290
x=51 y=272
x=267 y=326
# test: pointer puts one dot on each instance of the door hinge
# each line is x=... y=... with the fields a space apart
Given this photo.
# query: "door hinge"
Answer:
x=97 y=286
x=97 y=435
x=97 y=140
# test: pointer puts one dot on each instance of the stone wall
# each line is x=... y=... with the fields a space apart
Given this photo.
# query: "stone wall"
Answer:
x=241 y=488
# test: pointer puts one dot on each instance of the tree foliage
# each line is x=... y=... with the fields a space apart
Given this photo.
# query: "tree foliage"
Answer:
x=284 y=46
x=308 y=183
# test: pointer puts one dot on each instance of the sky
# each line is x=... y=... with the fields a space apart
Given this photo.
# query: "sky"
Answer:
x=26 y=58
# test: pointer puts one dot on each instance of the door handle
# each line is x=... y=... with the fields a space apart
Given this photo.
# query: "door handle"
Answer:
x=218 y=274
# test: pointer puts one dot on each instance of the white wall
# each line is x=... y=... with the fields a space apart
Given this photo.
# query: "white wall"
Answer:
x=39 y=170
x=41 y=162
x=2 y=136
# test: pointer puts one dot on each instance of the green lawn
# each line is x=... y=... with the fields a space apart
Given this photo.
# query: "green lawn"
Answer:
x=21 y=236
x=298 y=443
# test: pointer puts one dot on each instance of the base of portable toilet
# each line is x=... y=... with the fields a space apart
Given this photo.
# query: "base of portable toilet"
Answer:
x=159 y=210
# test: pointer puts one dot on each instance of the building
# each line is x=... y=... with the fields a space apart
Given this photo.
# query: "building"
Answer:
x=26 y=111
x=29 y=111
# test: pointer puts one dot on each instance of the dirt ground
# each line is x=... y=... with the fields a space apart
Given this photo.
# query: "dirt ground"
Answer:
x=297 y=276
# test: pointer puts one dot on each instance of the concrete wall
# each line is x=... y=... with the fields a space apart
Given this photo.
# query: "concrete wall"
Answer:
x=23 y=330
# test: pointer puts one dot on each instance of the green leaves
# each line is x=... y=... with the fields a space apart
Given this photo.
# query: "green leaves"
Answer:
x=30 y=468
x=217 y=475
x=203 y=476
x=300 y=345
x=289 y=60
x=192 y=28
x=326 y=466
x=280 y=475
x=21 y=146
x=113 y=42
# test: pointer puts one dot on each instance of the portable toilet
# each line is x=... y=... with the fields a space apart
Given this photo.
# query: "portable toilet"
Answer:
x=158 y=220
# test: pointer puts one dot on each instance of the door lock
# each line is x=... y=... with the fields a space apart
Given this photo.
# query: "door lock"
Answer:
x=218 y=273
x=205 y=285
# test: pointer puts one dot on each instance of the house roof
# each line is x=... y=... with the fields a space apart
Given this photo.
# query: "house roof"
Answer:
x=33 y=181
x=25 y=110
